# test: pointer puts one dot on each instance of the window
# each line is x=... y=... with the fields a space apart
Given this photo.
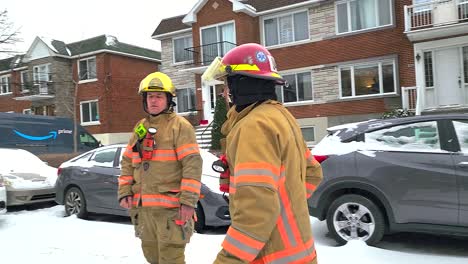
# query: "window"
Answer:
x=461 y=127
x=428 y=69
x=423 y=136
x=367 y=79
x=286 y=29
x=89 y=112
x=298 y=88
x=217 y=41
x=41 y=75
x=355 y=15
x=180 y=54
x=5 y=87
x=422 y=5
x=88 y=140
x=25 y=81
x=104 y=158
x=87 y=69
x=185 y=100
x=27 y=111
x=308 y=133
x=465 y=64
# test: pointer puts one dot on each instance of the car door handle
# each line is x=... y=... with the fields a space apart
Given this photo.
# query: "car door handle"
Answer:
x=84 y=171
x=463 y=164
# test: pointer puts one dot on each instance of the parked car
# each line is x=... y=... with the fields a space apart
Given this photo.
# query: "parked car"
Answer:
x=382 y=176
x=3 y=197
x=89 y=183
x=27 y=178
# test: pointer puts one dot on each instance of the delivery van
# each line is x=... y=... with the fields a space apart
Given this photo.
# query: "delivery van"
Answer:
x=43 y=135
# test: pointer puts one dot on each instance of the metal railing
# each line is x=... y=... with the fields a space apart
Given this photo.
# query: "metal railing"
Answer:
x=205 y=54
x=409 y=98
x=435 y=13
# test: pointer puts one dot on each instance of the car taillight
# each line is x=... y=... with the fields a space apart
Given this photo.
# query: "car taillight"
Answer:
x=59 y=171
x=320 y=158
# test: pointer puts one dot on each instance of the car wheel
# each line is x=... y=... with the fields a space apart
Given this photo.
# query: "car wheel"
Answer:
x=75 y=203
x=200 y=223
x=354 y=217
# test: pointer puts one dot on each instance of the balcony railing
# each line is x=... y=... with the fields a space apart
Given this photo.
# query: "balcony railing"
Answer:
x=435 y=13
x=37 y=91
x=205 y=54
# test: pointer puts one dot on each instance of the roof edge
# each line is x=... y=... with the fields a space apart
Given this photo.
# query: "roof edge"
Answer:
x=114 y=52
x=169 y=34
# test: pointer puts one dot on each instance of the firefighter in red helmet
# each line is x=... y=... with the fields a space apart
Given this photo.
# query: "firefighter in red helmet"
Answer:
x=272 y=172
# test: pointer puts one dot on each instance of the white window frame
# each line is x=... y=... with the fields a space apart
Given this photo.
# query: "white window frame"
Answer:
x=277 y=16
x=23 y=83
x=217 y=33
x=39 y=73
x=87 y=66
x=7 y=80
x=348 y=8
x=295 y=75
x=194 y=103
x=90 y=112
x=174 y=51
x=369 y=63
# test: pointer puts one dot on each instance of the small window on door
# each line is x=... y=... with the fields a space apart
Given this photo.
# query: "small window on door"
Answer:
x=104 y=158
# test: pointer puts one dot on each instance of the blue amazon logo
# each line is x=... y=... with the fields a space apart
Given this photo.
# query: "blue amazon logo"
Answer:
x=52 y=134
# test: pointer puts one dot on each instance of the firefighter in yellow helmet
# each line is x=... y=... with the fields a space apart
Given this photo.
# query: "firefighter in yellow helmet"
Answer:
x=161 y=173
x=272 y=172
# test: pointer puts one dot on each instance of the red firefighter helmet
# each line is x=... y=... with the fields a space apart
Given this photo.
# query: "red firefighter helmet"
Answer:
x=249 y=59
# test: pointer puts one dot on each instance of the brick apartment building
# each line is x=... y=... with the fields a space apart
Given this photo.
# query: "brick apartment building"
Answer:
x=345 y=61
x=105 y=72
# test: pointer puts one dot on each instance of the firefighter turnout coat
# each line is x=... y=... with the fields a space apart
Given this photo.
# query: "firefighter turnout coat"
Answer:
x=272 y=175
x=172 y=176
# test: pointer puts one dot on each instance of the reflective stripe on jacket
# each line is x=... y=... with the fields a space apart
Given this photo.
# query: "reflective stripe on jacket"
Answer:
x=272 y=174
x=174 y=172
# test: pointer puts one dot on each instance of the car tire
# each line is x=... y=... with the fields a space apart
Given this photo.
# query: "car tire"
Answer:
x=355 y=217
x=75 y=203
x=200 y=223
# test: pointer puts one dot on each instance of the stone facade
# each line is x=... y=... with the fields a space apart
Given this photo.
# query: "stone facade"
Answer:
x=180 y=78
x=322 y=21
x=325 y=84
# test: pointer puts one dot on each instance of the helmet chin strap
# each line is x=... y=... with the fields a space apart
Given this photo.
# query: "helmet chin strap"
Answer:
x=246 y=90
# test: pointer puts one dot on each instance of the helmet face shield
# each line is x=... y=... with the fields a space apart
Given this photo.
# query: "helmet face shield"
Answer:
x=215 y=71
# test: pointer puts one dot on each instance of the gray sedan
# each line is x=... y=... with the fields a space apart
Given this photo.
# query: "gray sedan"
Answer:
x=89 y=183
x=382 y=176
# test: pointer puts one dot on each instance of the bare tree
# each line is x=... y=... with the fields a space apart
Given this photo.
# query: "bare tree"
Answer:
x=9 y=35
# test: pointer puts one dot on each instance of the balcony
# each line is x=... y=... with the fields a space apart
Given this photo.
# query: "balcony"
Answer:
x=203 y=55
x=37 y=92
x=436 y=19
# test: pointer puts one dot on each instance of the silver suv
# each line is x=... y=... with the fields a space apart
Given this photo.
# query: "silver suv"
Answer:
x=382 y=176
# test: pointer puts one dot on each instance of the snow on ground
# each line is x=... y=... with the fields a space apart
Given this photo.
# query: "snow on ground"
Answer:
x=45 y=236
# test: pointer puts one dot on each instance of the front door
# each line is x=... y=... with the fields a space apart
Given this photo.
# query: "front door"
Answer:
x=209 y=102
x=448 y=74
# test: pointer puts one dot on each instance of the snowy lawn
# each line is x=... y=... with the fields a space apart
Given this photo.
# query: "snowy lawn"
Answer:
x=45 y=236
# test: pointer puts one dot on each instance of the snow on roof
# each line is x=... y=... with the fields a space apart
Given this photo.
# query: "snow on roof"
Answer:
x=111 y=40
x=48 y=42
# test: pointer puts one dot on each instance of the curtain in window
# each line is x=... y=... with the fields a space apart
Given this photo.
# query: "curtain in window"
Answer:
x=210 y=48
x=304 y=86
x=301 y=26
x=92 y=68
x=271 y=31
x=179 y=49
x=342 y=12
x=363 y=14
x=384 y=7
x=227 y=38
x=286 y=29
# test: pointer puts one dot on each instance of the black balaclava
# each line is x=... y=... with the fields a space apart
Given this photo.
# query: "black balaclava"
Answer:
x=247 y=90
x=170 y=104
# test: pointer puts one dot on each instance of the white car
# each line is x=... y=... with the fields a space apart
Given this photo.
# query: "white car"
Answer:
x=27 y=179
x=3 y=197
